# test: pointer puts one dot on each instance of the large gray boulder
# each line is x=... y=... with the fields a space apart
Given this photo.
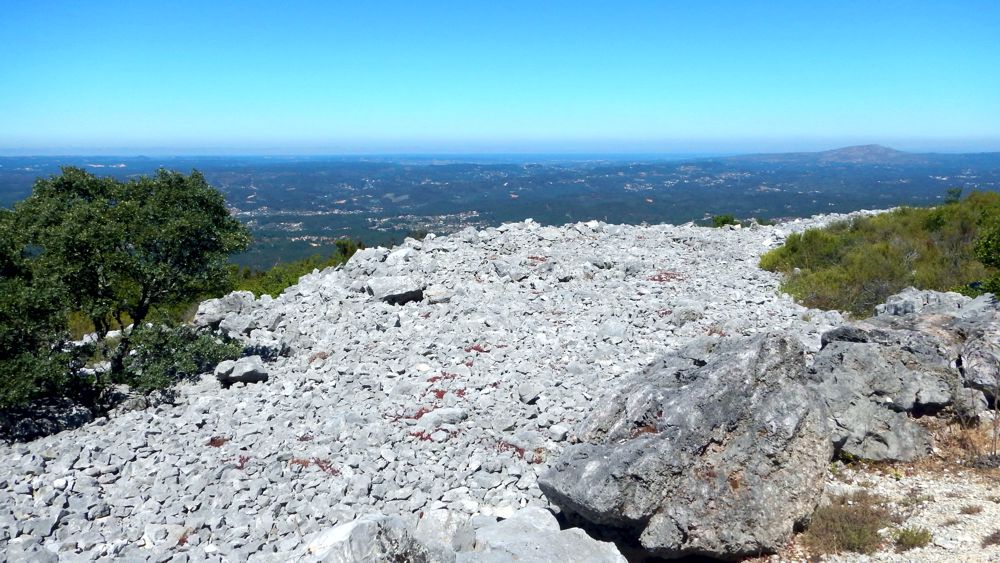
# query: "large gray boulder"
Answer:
x=718 y=449
x=532 y=535
x=979 y=326
x=872 y=380
x=915 y=301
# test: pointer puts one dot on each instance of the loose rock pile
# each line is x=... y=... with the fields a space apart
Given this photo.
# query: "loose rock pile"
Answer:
x=431 y=383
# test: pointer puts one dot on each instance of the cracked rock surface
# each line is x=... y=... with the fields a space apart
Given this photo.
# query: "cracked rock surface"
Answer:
x=718 y=448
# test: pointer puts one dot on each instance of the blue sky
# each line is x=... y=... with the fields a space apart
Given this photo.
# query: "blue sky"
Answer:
x=356 y=77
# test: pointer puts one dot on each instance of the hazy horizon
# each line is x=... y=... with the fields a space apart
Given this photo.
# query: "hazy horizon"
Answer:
x=557 y=151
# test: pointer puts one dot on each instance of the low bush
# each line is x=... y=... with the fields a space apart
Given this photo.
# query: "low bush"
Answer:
x=855 y=265
x=723 y=220
x=848 y=523
x=163 y=356
x=910 y=538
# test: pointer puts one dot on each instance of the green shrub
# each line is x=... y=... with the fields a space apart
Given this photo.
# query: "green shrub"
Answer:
x=953 y=195
x=163 y=356
x=988 y=252
x=723 y=220
x=910 y=538
x=855 y=265
x=848 y=523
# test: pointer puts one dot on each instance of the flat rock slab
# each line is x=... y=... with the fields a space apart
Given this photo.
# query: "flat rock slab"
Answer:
x=532 y=535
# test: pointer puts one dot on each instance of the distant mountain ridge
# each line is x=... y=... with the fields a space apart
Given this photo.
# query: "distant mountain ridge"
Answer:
x=862 y=154
x=858 y=155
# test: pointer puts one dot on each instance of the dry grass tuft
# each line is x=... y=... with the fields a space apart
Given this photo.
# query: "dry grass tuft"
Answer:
x=992 y=539
x=971 y=509
x=849 y=523
x=217 y=441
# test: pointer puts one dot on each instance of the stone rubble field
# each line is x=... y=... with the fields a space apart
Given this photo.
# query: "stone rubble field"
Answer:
x=414 y=397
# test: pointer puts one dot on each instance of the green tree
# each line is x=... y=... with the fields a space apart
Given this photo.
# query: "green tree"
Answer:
x=953 y=195
x=120 y=248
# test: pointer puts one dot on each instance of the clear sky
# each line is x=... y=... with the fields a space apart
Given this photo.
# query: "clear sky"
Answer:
x=251 y=76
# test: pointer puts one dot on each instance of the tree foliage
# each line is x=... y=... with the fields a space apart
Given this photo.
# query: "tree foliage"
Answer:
x=723 y=220
x=32 y=363
x=988 y=252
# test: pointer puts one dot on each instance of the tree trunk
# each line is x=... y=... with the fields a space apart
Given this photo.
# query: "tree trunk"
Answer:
x=121 y=351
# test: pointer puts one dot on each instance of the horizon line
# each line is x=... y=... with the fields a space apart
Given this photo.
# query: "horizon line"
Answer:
x=569 y=153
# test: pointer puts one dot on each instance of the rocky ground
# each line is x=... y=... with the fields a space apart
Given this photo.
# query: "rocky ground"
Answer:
x=960 y=507
x=433 y=382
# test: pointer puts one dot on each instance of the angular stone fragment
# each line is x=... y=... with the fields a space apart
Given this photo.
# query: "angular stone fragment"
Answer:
x=437 y=417
x=438 y=294
x=373 y=538
x=529 y=391
x=397 y=290
x=212 y=312
x=244 y=370
x=513 y=271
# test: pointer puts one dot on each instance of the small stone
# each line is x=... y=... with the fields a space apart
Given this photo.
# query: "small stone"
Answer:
x=558 y=432
x=245 y=370
x=529 y=391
